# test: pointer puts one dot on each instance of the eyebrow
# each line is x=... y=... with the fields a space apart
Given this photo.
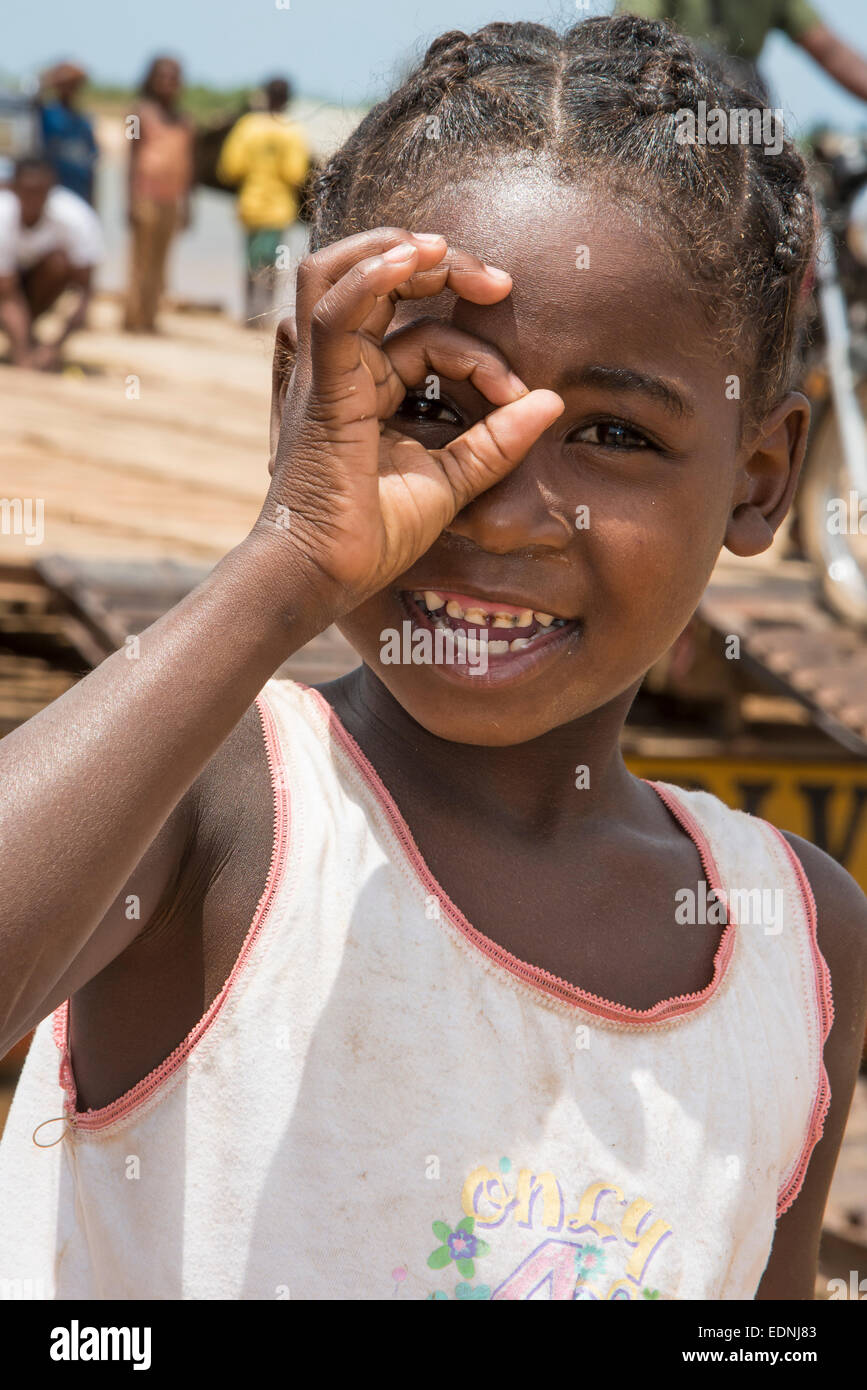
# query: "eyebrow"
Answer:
x=625 y=379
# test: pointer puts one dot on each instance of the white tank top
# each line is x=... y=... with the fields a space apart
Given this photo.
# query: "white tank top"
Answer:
x=383 y=1103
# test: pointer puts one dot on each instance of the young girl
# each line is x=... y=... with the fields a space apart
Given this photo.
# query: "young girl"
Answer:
x=379 y=990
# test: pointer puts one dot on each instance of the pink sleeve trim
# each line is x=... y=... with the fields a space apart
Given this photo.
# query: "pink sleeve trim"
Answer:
x=824 y=1003
x=145 y=1089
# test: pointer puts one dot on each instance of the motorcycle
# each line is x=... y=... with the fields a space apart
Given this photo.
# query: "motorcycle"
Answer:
x=831 y=508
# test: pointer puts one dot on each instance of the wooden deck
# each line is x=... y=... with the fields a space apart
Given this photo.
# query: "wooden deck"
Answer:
x=149 y=455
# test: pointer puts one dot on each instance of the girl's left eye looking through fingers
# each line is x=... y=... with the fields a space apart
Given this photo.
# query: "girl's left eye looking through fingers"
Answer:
x=612 y=434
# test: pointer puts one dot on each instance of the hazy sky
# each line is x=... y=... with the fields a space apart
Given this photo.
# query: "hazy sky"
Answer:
x=341 y=50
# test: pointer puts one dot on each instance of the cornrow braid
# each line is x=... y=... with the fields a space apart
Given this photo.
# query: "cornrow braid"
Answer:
x=599 y=103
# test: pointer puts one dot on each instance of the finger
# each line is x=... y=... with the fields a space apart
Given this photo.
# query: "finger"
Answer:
x=494 y=446
x=320 y=271
x=458 y=270
x=335 y=344
x=439 y=266
x=429 y=345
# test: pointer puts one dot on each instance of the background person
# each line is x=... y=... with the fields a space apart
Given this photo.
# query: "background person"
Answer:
x=160 y=179
x=50 y=241
x=267 y=155
x=737 y=29
x=68 y=141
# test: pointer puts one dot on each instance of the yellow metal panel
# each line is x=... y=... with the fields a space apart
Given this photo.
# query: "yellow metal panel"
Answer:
x=824 y=802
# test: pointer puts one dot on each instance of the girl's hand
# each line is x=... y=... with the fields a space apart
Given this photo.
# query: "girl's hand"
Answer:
x=359 y=502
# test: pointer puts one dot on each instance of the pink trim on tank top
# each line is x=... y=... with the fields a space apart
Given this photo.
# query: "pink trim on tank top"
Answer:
x=533 y=975
x=135 y=1097
x=825 y=1010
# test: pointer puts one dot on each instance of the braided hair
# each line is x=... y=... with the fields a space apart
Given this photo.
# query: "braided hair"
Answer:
x=598 y=103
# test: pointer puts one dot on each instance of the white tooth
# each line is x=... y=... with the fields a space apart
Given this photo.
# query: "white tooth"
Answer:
x=454 y=609
x=433 y=601
x=460 y=638
x=546 y=619
x=498 y=648
x=503 y=620
x=477 y=616
x=519 y=642
x=474 y=648
x=525 y=617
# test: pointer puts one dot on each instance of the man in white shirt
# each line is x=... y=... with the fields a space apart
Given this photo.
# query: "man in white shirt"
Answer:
x=50 y=241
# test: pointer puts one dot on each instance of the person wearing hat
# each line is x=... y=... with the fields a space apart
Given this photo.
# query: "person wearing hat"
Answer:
x=68 y=141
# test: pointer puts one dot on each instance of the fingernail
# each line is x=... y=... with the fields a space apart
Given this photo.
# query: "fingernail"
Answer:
x=517 y=384
x=428 y=236
x=499 y=274
x=399 y=253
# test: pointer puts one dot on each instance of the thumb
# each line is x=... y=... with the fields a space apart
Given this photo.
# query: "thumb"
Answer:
x=487 y=452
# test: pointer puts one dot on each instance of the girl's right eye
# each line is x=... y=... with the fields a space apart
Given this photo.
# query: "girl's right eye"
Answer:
x=417 y=407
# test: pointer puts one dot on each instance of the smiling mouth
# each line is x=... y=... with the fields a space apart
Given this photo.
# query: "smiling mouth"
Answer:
x=505 y=629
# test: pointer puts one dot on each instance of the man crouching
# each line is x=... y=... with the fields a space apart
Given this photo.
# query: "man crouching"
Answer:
x=50 y=241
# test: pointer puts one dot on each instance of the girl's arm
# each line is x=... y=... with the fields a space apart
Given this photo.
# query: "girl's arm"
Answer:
x=89 y=782
x=87 y=785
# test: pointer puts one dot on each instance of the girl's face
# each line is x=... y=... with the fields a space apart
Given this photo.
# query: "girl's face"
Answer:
x=615 y=518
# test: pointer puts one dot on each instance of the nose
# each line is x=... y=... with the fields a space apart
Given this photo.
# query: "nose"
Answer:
x=519 y=513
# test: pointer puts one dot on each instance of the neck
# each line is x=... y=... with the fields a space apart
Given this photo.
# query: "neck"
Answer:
x=529 y=786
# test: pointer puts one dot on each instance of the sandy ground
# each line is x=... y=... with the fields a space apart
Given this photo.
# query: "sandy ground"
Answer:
x=144 y=446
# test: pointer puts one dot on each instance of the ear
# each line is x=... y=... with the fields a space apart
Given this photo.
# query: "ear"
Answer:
x=282 y=366
x=768 y=476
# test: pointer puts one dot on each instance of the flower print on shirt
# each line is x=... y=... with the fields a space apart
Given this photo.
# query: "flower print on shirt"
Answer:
x=460 y=1245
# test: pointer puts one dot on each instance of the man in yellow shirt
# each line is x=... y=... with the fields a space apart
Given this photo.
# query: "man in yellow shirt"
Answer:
x=267 y=157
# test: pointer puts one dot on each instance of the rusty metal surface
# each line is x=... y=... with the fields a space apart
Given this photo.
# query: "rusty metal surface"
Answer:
x=788 y=634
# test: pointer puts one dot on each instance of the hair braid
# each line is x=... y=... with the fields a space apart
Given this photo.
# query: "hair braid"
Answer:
x=600 y=102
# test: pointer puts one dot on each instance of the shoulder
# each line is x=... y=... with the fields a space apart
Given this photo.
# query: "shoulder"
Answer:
x=796 y=17
x=62 y=205
x=9 y=206
x=292 y=129
x=297 y=136
x=841 y=926
x=248 y=126
x=832 y=897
